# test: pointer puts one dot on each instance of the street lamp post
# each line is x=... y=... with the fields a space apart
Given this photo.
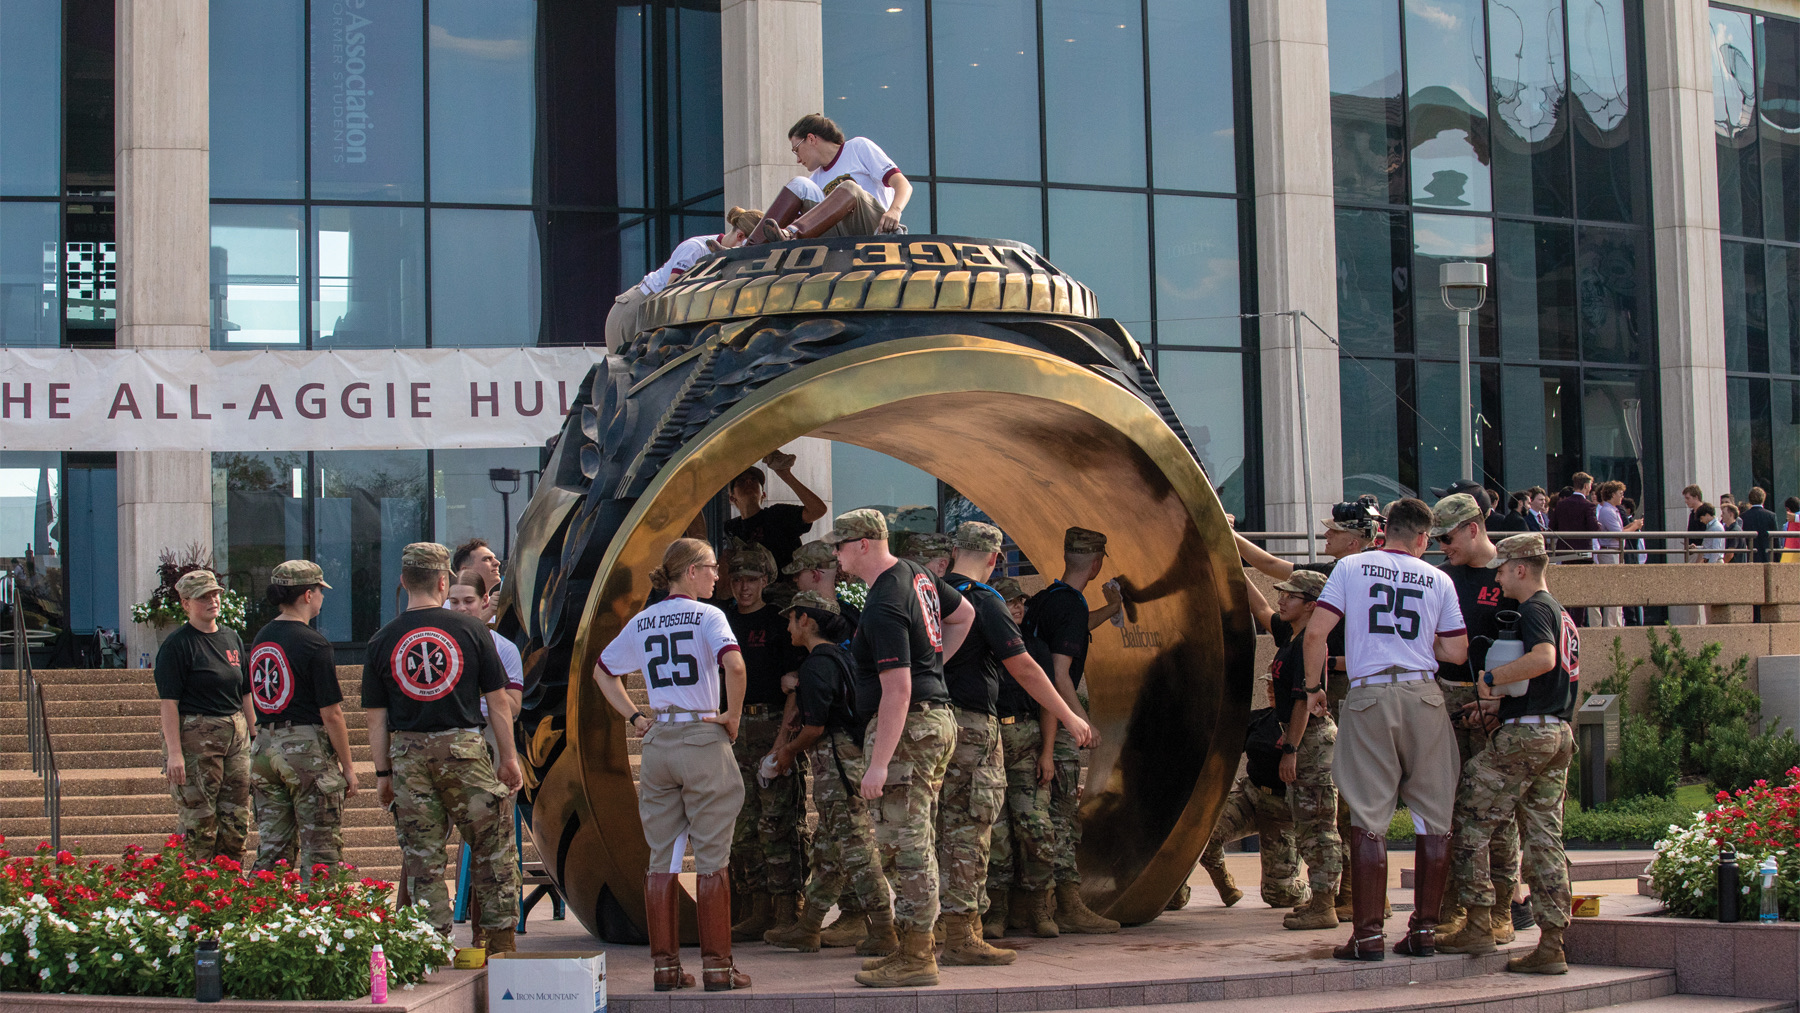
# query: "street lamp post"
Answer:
x=509 y=478
x=1463 y=286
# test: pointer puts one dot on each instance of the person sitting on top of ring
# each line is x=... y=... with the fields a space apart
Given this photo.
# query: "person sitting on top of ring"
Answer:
x=852 y=188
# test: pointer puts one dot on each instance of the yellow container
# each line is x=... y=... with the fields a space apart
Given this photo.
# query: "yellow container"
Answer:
x=470 y=958
x=1587 y=905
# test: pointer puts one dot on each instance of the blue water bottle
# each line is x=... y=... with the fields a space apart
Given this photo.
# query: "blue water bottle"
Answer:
x=1771 y=911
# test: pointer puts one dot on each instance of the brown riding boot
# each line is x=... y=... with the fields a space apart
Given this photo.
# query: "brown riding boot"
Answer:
x=993 y=925
x=757 y=922
x=802 y=934
x=881 y=942
x=500 y=941
x=714 y=906
x=1431 y=869
x=963 y=945
x=1547 y=958
x=661 y=891
x=1476 y=936
x=914 y=965
x=849 y=929
x=819 y=219
x=1368 y=870
x=782 y=210
x=1040 y=915
x=1227 y=887
x=1073 y=915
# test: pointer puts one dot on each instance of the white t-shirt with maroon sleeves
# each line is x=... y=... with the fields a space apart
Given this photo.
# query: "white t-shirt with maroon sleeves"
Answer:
x=1393 y=606
x=863 y=161
x=688 y=252
x=677 y=643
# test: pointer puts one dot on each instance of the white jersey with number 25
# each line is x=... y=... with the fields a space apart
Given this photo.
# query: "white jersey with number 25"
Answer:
x=1393 y=607
x=677 y=643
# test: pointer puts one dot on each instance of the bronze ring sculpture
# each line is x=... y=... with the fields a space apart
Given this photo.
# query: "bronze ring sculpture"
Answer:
x=973 y=359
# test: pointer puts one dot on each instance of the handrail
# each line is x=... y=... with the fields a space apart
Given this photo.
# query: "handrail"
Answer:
x=37 y=718
x=1675 y=542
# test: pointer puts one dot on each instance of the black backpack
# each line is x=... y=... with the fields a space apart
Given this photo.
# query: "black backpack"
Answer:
x=1262 y=747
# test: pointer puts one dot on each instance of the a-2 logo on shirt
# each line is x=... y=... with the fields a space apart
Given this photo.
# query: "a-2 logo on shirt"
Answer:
x=926 y=589
x=427 y=663
x=1489 y=595
x=271 y=680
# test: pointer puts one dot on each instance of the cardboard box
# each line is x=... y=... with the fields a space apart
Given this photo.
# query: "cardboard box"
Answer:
x=547 y=981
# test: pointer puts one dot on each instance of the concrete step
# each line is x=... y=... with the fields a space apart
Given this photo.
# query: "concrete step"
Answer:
x=1581 y=989
x=1587 y=866
x=143 y=780
x=158 y=821
x=79 y=735
x=1706 y=1004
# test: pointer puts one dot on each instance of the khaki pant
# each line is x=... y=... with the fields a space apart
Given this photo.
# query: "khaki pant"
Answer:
x=625 y=318
x=689 y=783
x=1395 y=742
x=865 y=219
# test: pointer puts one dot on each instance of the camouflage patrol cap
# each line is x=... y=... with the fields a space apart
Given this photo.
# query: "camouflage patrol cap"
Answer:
x=929 y=545
x=812 y=600
x=1009 y=589
x=814 y=555
x=1517 y=547
x=755 y=559
x=1453 y=512
x=1083 y=541
x=298 y=573
x=974 y=536
x=863 y=523
x=1306 y=582
x=197 y=583
x=426 y=556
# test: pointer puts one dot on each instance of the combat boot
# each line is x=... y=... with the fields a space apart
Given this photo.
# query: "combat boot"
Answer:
x=993 y=926
x=1316 y=913
x=1072 y=915
x=1547 y=958
x=500 y=941
x=1179 y=899
x=1500 y=917
x=713 y=906
x=963 y=945
x=1476 y=937
x=1227 y=887
x=848 y=930
x=757 y=921
x=1018 y=914
x=1040 y=914
x=783 y=909
x=802 y=934
x=913 y=965
x=938 y=931
x=881 y=941
x=1451 y=921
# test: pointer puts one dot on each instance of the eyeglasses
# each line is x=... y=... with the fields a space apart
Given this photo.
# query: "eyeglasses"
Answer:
x=1285 y=595
x=707 y=566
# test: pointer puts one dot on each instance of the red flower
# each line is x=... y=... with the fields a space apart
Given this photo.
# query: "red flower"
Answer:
x=64 y=858
x=173 y=841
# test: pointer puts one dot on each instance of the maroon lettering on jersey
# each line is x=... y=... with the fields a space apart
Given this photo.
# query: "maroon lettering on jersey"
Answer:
x=271 y=679
x=926 y=588
x=427 y=663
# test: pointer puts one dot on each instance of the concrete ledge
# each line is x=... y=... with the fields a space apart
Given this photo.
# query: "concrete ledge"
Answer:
x=1584 y=869
x=1744 y=959
x=444 y=992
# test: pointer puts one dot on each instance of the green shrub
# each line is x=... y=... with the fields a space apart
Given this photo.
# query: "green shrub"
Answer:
x=1644 y=818
x=1693 y=694
x=1737 y=759
x=1649 y=760
x=1758 y=824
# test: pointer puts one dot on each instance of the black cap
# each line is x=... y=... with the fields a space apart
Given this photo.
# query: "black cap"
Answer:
x=1471 y=487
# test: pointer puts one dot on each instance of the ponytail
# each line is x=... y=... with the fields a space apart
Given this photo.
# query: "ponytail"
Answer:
x=681 y=554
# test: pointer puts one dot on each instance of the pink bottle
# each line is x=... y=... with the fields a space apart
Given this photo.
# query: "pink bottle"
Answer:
x=377 y=975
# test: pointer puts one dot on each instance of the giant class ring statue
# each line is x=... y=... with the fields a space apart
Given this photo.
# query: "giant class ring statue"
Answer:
x=973 y=359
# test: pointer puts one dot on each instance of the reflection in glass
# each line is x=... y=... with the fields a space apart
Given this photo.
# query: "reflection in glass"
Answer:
x=1367 y=107
x=631 y=133
x=1614 y=413
x=1746 y=334
x=1612 y=285
x=30 y=298
x=1103 y=239
x=1784 y=443
x=1440 y=430
x=257 y=87
x=582 y=261
x=1781 y=279
x=1746 y=402
x=367 y=93
x=1541 y=405
x=861 y=477
x=1094 y=92
x=91 y=523
x=1447 y=119
x=259 y=522
x=368 y=277
x=1197 y=283
x=1778 y=113
x=483 y=108
x=1373 y=458
x=30 y=97
x=256 y=275
x=985 y=83
x=1373 y=282
x=1734 y=122
x=485 y=284
x=1534 y=287
x=90 y=274
x=1192 y=95
x=998 y=212
x=1531 y=154
x=1608 y=180
x=464 y=503
x=875 y=76
x=1206 y=389
x=32 y=535
x=699 y=121
x=1437 y=240
x=370 y=505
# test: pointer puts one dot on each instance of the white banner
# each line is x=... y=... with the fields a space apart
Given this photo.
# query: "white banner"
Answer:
x=197 y=399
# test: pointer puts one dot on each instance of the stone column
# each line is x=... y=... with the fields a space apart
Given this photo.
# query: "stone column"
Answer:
x=165 y=498
x=1296 y=257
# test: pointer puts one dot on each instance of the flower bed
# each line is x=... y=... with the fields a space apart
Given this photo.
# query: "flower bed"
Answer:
x=130 y=927
x=1758 y=822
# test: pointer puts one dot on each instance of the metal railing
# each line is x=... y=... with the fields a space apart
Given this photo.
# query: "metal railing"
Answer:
x=37 y=720
x=1658 y=546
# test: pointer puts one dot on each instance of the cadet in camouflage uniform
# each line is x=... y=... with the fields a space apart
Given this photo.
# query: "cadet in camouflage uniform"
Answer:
x=1523 y=773
x=1307 y=746
x=911 y=619
x=1024 y=843
x=300 y=768
x=930 y=549
x=203 y=685
x=422 y=685
x=1250 y=809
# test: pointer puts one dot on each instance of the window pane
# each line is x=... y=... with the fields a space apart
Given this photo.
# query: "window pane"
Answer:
x=465 y=503
x=1535 y=289
x=90 y=139
x=1746 y=337
x=586 y=271
x=30 y=299
x=1612 y=277
x=1094 y=92
x=1197 y=280
x=1615 y=406
x=1372 y=281
x=1778 y=112
x=1367 y=107
x=1206 y=389
x=1193 y=102
x=368 y=277
x=991 y=212
x=1781 y=278
x=1447 y=104
x=368 y=131
x=984 y=59
x=257 y=88
x=90 y=274
x=483 y=108
x=1531 y=147
x=875 y=76
x=861 y=477
x=485 y=282
x=30 y=97
x=259 y=522
x=1609 y=180
x=1440 y=432
x=700 y=160
x=1784 y=443
x=1734 y=123
x=1743 y=399
x=1438 y=240
x=1102 y=239
x=256 y=275
x=1372 y=450
x=371 y=504
x=30 y=496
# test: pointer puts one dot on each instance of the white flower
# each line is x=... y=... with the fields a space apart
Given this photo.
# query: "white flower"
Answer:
x=116 y=958
x=45 y=973
x=32 y=953
x=6 y=959
x=349 y=933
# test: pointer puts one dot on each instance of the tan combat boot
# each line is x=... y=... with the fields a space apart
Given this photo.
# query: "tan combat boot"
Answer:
x=938 y=930
x=1475 y=937
x=1180 y=898
x=1500 y=917
x=848 y=930
x=1319 y=912
x=1451 y=921
x=963 y=945
x=1018 y=914
x=757 y=921
x=500 y=941
x=881 y=942
x=783 y=909
x=802 y=935
x=1547 y=958
x=1040 y=914
x=993 y=925
x=1227 y=887
x=914 y=965
x=1073 y=916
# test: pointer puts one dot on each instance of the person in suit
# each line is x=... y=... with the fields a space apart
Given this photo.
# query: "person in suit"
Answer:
x=1576 y=512
x=1517 y=517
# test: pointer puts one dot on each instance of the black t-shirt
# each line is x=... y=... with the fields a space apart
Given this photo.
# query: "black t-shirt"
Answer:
x=1287 y=675
x=825 y=694
x=768 y=653
x=778 y=528
x=903 y=627
x=204 y=673
x=1478 y=592
x=429 y=668
x=973 y=672
x=1013 y=701
x=1058 y=615
x=293 y=673
x=1334 y=641
x=1543 y=621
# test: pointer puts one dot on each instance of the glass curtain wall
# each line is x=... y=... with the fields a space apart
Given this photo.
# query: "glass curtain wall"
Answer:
x=1509 y=132
x=1114 y=138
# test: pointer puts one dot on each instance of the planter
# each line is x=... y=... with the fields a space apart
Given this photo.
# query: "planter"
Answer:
x=1744 y=959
